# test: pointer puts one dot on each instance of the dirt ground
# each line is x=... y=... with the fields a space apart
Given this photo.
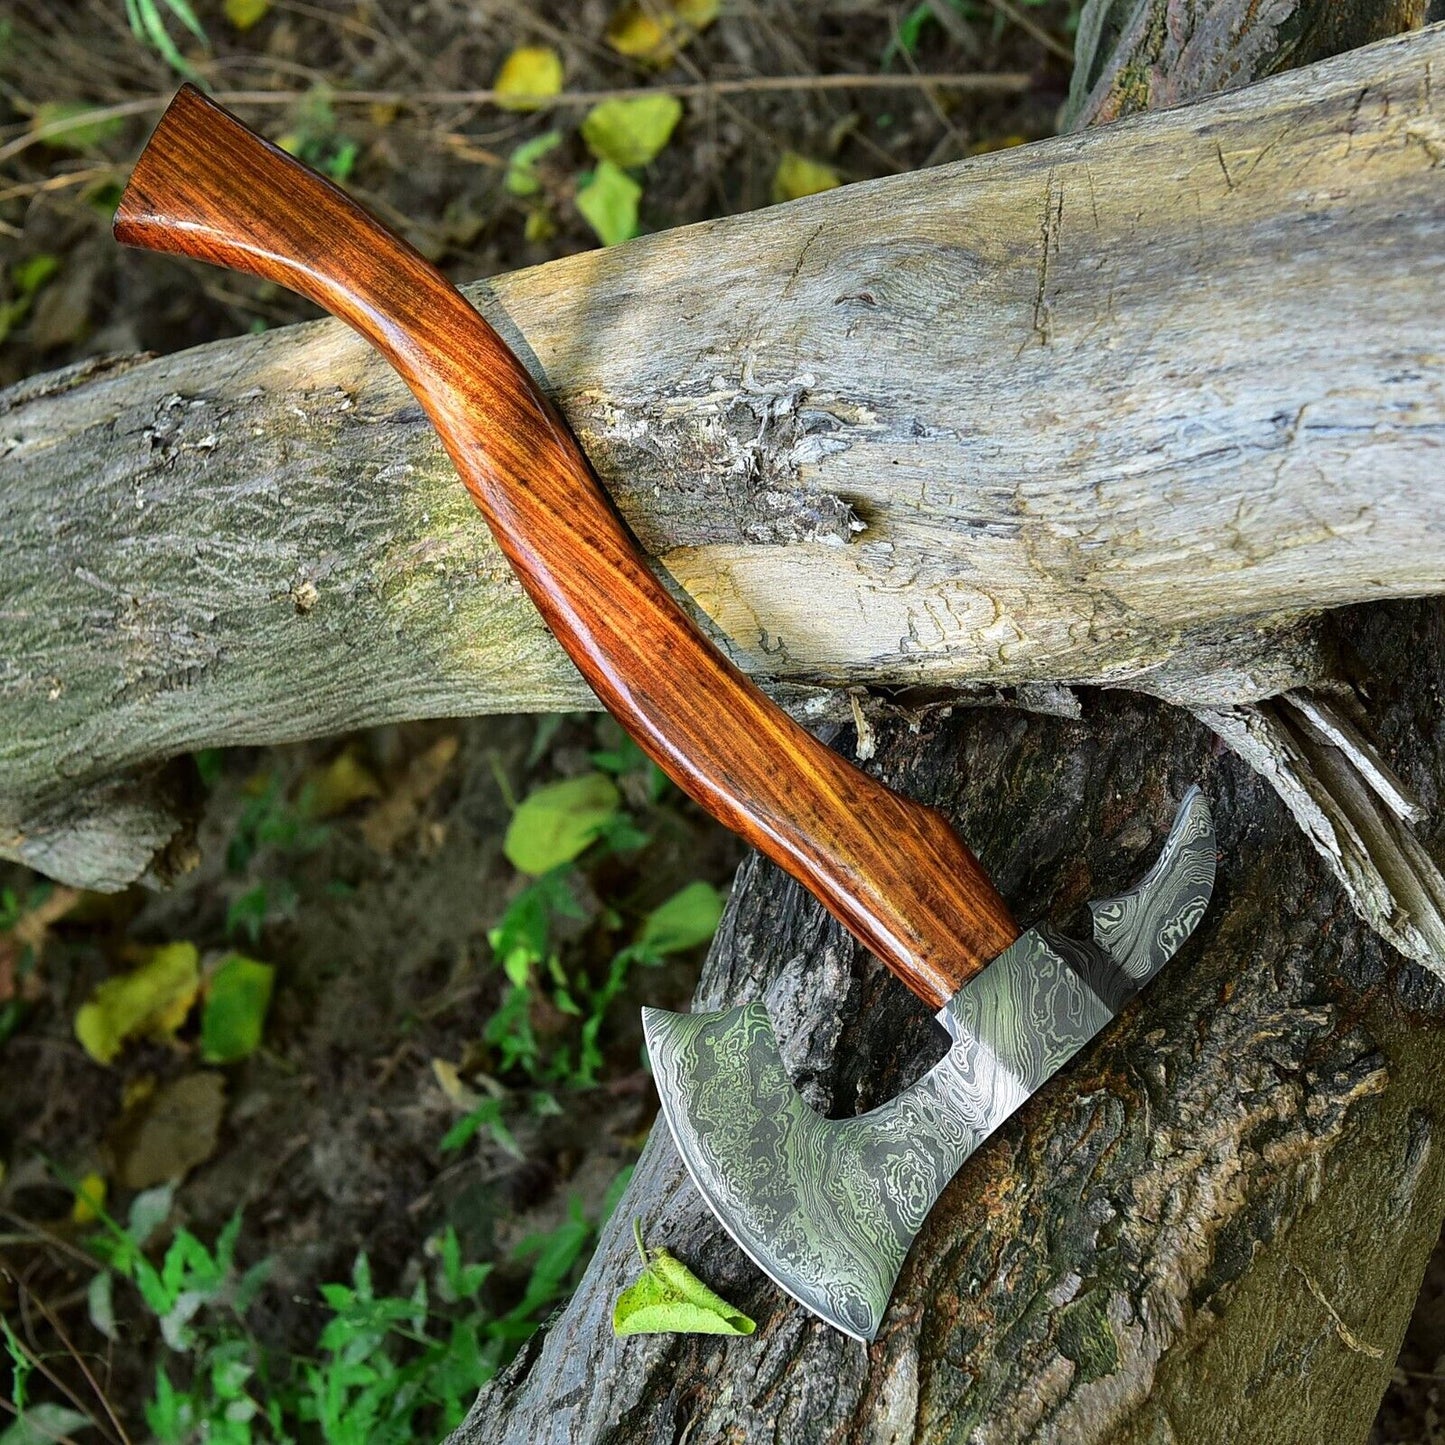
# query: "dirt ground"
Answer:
x=376 y=914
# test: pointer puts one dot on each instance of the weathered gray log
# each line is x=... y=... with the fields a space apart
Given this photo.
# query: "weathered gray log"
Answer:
x=1211 y=1227
x=1124 y=408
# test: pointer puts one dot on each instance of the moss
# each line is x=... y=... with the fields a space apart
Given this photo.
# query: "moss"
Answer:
x=1086 y=1337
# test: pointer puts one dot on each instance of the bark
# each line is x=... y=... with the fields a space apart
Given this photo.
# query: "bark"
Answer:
x=1212 y=1226
x=1123 y=408
x=1137 y=55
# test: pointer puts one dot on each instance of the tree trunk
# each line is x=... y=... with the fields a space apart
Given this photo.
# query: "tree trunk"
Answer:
x=1211 y=1227
x=1122 y=408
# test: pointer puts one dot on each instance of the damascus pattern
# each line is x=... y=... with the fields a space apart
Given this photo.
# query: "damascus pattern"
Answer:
x=829 y=1207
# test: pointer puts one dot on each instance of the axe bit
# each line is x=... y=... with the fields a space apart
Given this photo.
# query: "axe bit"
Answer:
x=828 y=1208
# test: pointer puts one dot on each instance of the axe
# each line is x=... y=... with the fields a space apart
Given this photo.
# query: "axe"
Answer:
x=828 y=1208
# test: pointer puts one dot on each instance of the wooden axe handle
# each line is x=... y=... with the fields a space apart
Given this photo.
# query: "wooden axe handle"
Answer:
x=889 y=869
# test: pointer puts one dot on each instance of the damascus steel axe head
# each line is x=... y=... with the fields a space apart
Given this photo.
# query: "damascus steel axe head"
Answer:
x=829 y=1207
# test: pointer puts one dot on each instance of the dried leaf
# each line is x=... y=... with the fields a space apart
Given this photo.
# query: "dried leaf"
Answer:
x=521 y=178
x=655 y=30
x=530 y=76
x=798 y=176
x=168 y=1134
x=243 y=14
x=555 y=823
x=234 y=1014
x=608 y=203
x=22 y=945
x=153 y=999
x=449 y=1077
x=631 y=132
x=398 y=814
x=669 y=1299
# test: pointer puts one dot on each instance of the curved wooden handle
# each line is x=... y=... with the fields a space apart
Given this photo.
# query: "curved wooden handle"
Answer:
x=889 y=869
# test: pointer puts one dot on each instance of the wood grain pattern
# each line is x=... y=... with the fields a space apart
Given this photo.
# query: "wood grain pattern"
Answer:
x=890 y=870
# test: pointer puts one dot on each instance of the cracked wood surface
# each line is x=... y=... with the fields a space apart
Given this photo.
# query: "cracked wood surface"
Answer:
x=1123 y=408
x=1210 y=1227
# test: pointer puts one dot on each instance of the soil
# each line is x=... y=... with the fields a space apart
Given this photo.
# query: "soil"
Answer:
x=377 y=919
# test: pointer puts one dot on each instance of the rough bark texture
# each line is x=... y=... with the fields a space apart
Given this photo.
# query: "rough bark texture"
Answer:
x=1137 y=55
x=1117 y=408
x=1211 y=1227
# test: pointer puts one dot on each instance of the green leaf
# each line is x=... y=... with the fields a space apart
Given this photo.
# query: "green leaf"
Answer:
x=147 y=25
x=521 y=178
x=66 y=125
x=148 y=1211
x=33 y=272
x=43 y=1425
x=608 y=203
x=555 y=823
x=668 y=1299
x=631 y=132
x=688 y=918
x=235 y=1009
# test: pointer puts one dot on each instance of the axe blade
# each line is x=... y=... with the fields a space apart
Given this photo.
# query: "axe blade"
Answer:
x=828 y=1208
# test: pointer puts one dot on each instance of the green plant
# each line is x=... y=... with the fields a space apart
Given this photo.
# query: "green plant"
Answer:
x=13 y=907
x=909 y=30
x=271 y=820
x=563 y=834
x=316 y=139
x=148 y=26
x=385 y=1368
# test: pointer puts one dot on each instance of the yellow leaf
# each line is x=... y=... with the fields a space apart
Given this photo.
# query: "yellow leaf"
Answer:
x=89 y=1199
x=243 y=14
x=333 y=789
x=153 y=999
x=529 y=77
x=656 y=30
x=798 y=176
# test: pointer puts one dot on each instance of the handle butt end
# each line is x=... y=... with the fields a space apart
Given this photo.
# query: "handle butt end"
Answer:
x=151 y=209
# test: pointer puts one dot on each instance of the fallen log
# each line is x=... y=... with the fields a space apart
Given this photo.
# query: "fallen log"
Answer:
x=1127 y=408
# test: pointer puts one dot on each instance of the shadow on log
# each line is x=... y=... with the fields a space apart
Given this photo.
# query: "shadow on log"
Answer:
x=1211 y=1226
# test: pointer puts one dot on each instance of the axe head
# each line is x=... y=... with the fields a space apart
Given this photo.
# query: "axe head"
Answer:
x=828 y=1208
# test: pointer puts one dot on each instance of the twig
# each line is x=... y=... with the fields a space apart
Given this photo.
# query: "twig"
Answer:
x=980 y=82
x=60 y=182
x=54 y=1323
x=38 y=1363
x=1028 y=24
